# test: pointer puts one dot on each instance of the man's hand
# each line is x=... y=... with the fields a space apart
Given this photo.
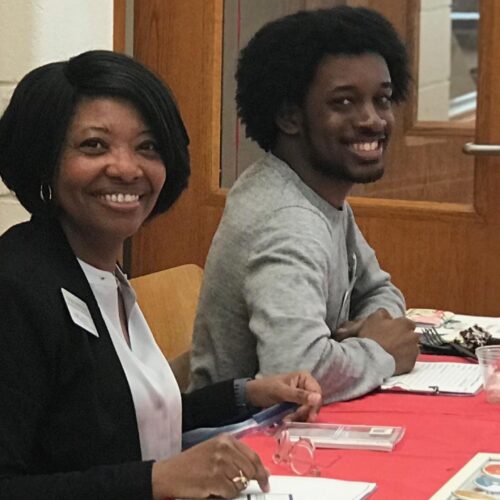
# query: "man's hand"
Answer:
x=397 y=336
x=348 y=329
x=296 y=387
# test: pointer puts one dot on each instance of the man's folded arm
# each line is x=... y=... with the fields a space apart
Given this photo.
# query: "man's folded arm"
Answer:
x=286 y=290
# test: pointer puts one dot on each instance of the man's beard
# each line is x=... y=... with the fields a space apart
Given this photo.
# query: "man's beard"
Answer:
x=339 y=172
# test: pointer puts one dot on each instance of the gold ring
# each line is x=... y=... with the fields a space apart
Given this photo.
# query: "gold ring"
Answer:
x=241 y=478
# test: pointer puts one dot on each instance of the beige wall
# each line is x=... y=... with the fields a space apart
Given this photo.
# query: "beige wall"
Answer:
x=36 y=32
x=434 y=68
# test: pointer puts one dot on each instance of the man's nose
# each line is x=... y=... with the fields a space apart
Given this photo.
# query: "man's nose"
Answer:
x=370 y=118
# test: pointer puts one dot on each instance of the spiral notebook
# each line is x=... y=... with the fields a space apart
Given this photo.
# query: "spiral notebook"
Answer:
x=458 y=379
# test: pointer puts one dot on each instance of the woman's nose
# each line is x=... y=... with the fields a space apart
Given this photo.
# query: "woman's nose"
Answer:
x=124 y=165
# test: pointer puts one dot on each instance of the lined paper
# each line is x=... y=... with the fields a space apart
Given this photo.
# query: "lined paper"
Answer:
x=452 y=378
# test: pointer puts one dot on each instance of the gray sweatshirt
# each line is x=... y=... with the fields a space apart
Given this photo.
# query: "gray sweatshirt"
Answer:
x=285 y=269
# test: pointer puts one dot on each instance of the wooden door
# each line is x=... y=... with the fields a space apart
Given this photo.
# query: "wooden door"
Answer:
x=441 y=254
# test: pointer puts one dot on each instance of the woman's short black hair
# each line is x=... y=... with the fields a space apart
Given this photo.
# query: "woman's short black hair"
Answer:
x=34 y=125
x=280 y=61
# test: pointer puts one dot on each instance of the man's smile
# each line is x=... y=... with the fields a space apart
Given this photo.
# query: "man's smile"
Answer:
x=368 y=150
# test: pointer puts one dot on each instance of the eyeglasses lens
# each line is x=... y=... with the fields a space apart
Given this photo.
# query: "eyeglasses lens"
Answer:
x=299 y=455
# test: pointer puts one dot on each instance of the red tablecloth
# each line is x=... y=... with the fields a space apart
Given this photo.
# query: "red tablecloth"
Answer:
x=442 y=434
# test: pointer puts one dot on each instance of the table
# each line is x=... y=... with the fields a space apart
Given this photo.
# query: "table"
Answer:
x=442 y=434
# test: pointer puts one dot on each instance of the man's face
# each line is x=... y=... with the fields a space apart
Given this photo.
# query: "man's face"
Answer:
x=347 y=118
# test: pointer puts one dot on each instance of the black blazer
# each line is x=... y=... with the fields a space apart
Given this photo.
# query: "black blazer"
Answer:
x=67 y=422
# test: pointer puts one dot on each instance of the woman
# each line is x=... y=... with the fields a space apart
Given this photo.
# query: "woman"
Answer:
x=93 y=147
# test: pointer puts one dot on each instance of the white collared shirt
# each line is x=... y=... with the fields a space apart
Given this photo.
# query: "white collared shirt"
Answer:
x=155 y=392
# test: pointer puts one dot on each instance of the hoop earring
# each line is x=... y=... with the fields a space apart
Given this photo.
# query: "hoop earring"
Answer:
x=45 y=193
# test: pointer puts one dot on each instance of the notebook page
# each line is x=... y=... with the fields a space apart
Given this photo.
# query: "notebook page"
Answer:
x=307 y=488
x=458 y=378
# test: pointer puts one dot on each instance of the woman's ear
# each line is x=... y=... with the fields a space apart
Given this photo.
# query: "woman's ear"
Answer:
x=289 y=119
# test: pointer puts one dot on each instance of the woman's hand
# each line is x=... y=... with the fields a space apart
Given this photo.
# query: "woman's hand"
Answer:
x=209 y=468
x=296 y=387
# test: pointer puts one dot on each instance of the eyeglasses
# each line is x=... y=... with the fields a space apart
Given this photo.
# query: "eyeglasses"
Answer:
x=299 y=455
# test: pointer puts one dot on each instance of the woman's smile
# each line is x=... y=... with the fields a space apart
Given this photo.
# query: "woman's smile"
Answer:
x=121 y=198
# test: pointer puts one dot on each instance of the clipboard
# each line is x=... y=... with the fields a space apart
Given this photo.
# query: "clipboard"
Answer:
x=458 y=379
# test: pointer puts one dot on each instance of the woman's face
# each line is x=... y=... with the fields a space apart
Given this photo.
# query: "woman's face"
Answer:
x=110 y=174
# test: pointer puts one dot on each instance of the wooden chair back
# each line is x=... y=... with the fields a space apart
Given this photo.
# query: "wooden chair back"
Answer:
x=168 y=300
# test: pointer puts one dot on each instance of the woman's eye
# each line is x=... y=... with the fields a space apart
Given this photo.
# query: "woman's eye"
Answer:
x=149 y=147
x=93 y=146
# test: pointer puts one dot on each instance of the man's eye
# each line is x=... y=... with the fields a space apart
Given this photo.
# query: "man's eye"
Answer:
x=342 y=102
x=385 y=100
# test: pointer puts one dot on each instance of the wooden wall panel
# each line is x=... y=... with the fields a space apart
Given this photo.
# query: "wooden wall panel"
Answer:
x=181 y=41
x=119 y=8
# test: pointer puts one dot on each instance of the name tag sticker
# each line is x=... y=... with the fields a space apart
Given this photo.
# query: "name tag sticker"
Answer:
x=79 y=312
x=381 y=431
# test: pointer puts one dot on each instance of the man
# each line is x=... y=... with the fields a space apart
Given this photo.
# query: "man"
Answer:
x=290 y=282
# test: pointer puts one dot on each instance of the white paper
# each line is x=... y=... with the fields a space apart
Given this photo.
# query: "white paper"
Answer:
x=491 y=325
x=307 y=488
x=449 y=331
x=457 y=378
